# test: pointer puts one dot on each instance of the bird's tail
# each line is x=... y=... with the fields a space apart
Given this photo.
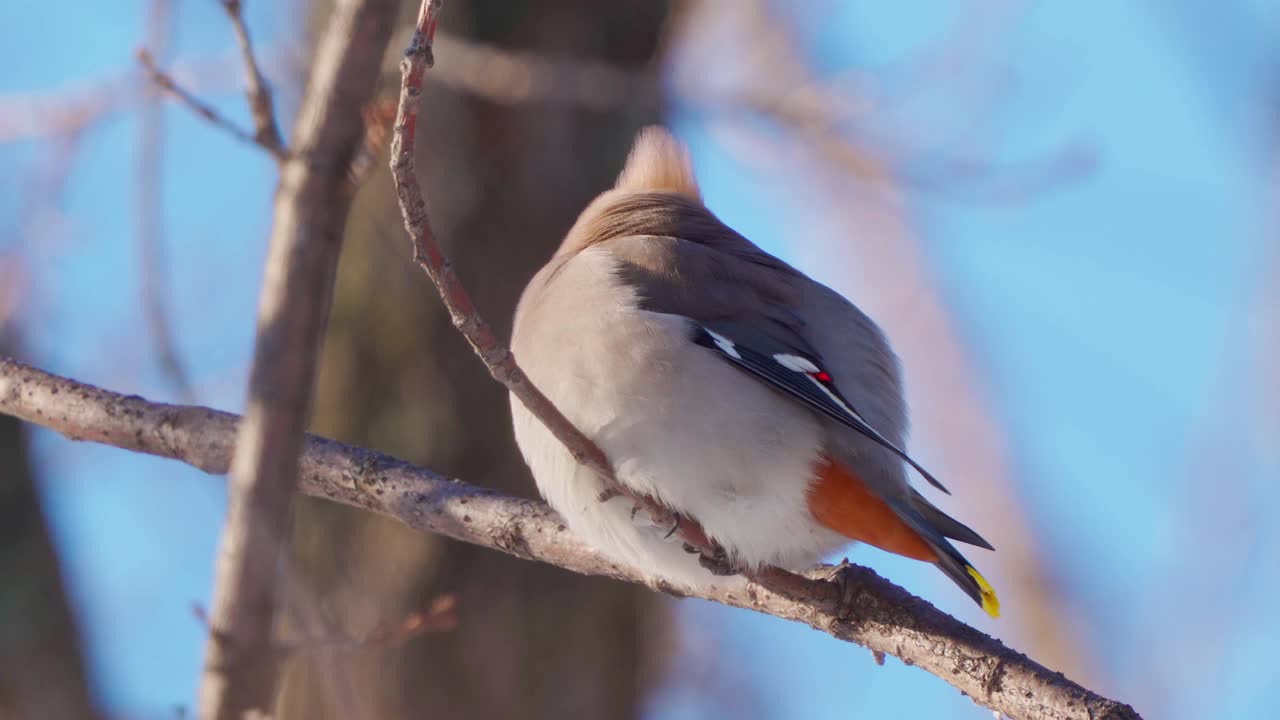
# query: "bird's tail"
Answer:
x=935 y=527
x=909 y=526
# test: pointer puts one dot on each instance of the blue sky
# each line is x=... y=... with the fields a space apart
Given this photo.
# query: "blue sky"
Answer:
x=1109 y=318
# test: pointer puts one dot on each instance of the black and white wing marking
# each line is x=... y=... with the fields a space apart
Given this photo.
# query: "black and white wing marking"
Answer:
x=803 y=379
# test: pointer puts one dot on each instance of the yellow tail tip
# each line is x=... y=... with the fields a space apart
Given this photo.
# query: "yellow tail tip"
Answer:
x=990 y=603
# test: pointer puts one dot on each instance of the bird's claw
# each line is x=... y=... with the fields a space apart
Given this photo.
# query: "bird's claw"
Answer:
x=841 y=576
x=718 y=562
x=674 y=527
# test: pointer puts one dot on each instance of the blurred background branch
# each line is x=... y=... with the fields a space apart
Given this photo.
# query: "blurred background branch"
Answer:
x=266 y=131
x=1062 y=215
x=311 y=206
x=162 y=80
x=395 y=376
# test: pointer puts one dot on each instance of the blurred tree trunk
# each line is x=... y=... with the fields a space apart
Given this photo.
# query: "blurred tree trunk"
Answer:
x=504 y=183
x=41 y=672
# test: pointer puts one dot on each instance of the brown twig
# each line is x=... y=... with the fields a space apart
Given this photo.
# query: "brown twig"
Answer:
x=64 y=112
x=73 y=108
x=199 y=107
x=506 y=76
x=379 y=116
x=463 y=313
x=501 y=364
x=265 y=130
x=439 y=616
x=428 y=255
x=861 y=607
x=311 y=205
x=301 y=611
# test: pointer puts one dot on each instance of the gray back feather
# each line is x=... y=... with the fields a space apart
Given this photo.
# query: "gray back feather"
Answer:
x=682 y=260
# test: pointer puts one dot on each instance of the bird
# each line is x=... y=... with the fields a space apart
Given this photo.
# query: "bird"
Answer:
x=725 y=385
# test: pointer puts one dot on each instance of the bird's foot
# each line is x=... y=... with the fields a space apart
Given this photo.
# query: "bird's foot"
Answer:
x=841 y=575
x=718 y=561
x=674 y=527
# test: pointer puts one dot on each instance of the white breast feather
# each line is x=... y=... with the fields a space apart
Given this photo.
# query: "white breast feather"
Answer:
x=677 y=422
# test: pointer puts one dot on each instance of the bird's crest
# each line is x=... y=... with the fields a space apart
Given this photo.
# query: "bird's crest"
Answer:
x=659 y=163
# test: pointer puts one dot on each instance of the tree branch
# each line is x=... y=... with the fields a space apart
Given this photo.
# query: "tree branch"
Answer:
x=495 y=356
x=862 y=608
x=427 y=253
x=162 y=80
x=309 y=218
x=265 y=131
x=861 y=593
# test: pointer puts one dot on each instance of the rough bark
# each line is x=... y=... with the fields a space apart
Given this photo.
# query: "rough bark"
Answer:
x=859 y=606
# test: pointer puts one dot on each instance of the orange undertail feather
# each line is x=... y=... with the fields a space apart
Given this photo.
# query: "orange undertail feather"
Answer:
x=841 y=502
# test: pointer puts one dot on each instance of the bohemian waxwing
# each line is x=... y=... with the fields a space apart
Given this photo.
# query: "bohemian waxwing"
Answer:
x=723 y=383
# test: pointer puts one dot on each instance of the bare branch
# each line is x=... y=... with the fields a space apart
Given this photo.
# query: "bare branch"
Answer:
x=310 y=214
x=438 y=616
x=265 y=130
x=379 y=116
x=199 y=107
x=63 y=113
x=861 y=607
x=74 y=108
x=427 y=253
x=509 y=77
x=495 y=356
x=502 y=366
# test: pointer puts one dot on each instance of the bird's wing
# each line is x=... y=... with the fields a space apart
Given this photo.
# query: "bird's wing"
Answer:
x=798 y=374
x=744 y=305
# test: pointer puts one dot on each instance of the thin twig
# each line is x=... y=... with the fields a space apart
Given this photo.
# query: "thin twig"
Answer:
x=266 y=132
x=861 y=607
x=199 y=107
x=81 y=104
x=301 y=610
x=379 y=116
x=310 y=214
x=509 y=77
x=439 y=616
x=497 y=358
x=466 y=318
